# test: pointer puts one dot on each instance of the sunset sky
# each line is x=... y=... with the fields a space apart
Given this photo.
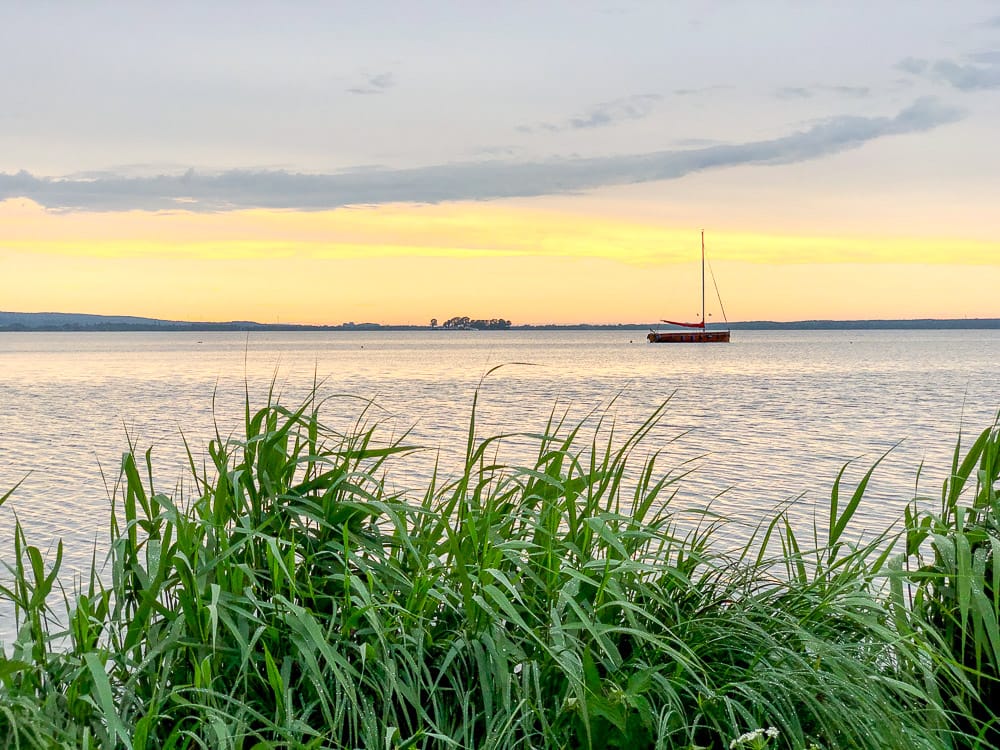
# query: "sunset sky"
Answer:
x=543 y=162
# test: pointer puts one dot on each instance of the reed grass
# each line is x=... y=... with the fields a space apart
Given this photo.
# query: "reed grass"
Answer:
x=288 y=597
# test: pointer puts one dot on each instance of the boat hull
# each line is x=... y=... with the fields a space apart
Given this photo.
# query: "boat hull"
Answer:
x=688 y=337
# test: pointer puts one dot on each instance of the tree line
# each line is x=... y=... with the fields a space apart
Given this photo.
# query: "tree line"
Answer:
x=480 y=324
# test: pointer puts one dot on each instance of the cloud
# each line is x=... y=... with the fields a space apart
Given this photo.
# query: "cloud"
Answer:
x=374 y=84
x=992 y=23
x=799 y=92
x=495 y=151
x=702 y=90
x=633 y=107
x=487 y=180
x=855 y=91
x=793 y=92
x=968 y=77
x=913 y=65
x=981 y=74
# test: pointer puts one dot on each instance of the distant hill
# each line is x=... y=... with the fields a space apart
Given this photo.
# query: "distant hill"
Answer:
x=74 y=320
x=53 y=321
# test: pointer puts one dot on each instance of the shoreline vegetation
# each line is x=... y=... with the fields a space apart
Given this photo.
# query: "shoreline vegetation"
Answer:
x=72 y=322
x=286 y=596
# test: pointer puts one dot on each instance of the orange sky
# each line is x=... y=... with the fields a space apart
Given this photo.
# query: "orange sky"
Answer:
x=529 y=261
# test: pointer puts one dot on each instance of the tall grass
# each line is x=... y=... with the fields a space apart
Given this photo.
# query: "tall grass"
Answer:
x=288 y=598
x=953 y=564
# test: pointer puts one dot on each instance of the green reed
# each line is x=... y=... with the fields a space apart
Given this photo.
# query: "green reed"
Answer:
x=287 y=597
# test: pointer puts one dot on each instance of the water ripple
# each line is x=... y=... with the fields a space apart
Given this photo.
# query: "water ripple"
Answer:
x=768 y=419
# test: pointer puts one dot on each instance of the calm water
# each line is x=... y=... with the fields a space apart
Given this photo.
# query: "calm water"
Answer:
x=768 y=418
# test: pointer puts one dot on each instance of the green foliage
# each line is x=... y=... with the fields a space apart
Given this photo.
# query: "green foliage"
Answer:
x=953 y=577
x=288 y=598
x=481 y=324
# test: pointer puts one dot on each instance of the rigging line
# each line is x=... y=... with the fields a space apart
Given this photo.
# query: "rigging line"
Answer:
x=718 y=296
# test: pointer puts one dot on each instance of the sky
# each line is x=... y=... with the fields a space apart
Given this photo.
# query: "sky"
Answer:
x=544 y=162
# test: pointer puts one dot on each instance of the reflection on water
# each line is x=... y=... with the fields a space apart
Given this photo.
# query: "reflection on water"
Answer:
x=769 y=417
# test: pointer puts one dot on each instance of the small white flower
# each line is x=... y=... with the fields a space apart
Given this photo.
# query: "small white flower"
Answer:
x=771 y=733
x=743 y=739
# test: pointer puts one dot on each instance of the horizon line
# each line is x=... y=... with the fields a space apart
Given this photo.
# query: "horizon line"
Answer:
x=90 y=320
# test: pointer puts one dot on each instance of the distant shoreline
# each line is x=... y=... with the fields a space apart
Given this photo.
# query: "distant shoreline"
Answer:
x=70 y=322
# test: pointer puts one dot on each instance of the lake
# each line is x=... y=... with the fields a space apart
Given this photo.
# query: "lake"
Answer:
x=768 y=418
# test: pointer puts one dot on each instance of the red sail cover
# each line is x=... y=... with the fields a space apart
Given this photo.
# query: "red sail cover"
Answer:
x=686 y=325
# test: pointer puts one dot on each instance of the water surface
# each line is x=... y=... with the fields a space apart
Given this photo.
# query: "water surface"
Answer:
x=769 y=418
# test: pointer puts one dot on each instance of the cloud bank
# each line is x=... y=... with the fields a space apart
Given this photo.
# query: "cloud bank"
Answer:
x=488 y=180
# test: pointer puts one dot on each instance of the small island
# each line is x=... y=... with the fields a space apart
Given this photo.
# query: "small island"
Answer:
x=466 y=324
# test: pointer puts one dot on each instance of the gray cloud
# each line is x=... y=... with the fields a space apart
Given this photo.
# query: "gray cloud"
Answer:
x=631 y=108
x=374 y=84
x=855 y=91
x=992 y=23
x=982 y=73
x=799 y=92
x=913 y=65
x=463 y=181
x=968 y=77
x=793 y=92
x=702 y=90
x=495 y=151
x=986 y=58
x=607 y=113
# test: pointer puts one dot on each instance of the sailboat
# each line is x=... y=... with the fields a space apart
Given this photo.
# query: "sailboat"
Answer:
x=700 y=335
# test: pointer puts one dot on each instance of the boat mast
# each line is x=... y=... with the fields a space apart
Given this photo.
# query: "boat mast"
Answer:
x=702 y=278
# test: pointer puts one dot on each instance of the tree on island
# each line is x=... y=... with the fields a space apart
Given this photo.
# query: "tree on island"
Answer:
x=493 y=324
